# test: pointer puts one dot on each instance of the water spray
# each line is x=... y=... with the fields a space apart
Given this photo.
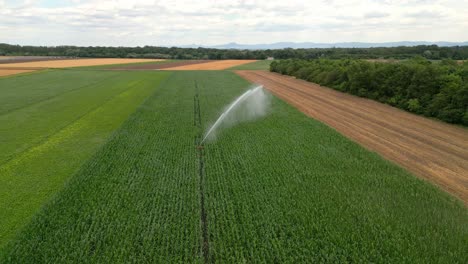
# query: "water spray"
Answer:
x=258 y=107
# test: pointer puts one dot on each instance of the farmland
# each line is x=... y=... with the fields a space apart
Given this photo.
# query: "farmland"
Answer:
x=16 y=65
x=119 y=178
x=211 y=65
x=256 y=65
x=430 y=149
x=50 y=123
x=4 y=72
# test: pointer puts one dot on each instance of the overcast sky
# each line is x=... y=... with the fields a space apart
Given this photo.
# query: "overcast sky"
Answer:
x=178 y=22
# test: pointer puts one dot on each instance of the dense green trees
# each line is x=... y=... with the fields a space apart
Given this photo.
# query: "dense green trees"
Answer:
x=420 y=86
x=430 y=52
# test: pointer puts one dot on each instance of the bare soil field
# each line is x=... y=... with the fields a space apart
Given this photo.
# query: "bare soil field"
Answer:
x=75 y=63
x=7 y=72
x=432 y=150
x=210 y=65
x=160 y=66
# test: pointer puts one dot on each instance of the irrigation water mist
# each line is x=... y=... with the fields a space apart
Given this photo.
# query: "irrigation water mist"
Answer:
x=250 y=105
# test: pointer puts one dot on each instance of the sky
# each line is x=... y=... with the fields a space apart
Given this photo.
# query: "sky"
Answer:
x=208 y=22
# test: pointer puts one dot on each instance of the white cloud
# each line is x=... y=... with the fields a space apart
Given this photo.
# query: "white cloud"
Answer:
x=182 y=22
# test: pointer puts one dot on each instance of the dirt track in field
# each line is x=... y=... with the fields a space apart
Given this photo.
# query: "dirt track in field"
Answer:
x=74 y=63
x=211 y=65
x=432 y=150
x=12 y=72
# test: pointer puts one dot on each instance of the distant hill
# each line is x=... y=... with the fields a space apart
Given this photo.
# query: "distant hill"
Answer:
x=303 y=45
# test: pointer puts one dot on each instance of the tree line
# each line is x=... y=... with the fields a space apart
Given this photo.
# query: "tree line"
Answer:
x=433 y=89
x=432 y=52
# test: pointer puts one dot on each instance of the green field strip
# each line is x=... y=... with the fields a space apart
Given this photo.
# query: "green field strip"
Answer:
x=45 y=138
x=29 y=126
x=284 y=188
x=33 y=177
x=256 y=65
x=136 y=199
x=51 y=97
x=21 y=91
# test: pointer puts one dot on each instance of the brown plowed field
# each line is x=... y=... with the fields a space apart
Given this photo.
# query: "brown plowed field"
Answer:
x=430 y=149
x=4 y=72
x=160 y=66
x=75 y=63
x=212 y=65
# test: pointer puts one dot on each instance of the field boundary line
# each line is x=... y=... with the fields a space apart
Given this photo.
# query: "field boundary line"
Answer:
x=201 y=175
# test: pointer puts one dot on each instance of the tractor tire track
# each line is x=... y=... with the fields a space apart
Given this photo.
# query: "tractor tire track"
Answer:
x=201 y=174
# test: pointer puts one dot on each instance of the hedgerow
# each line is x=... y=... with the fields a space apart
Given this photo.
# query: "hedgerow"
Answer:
x=437 y=90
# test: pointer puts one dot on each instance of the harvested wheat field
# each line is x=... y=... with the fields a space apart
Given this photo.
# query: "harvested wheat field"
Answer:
x=211 y=65
x=430 y=149
x=7 y=72
x=77 y=63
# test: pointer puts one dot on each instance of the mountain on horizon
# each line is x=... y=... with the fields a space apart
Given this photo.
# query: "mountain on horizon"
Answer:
x=306 y=45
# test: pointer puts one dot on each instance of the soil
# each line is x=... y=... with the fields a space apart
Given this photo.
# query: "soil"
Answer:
x=430 y=149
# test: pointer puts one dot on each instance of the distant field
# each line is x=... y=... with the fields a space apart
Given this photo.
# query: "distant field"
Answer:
x=211 y=65
x=131 y=65
x=285 y=189
x=52 y=122
x=18 y=59
x=158 y=66
x=76 y=63
x=257 y=65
